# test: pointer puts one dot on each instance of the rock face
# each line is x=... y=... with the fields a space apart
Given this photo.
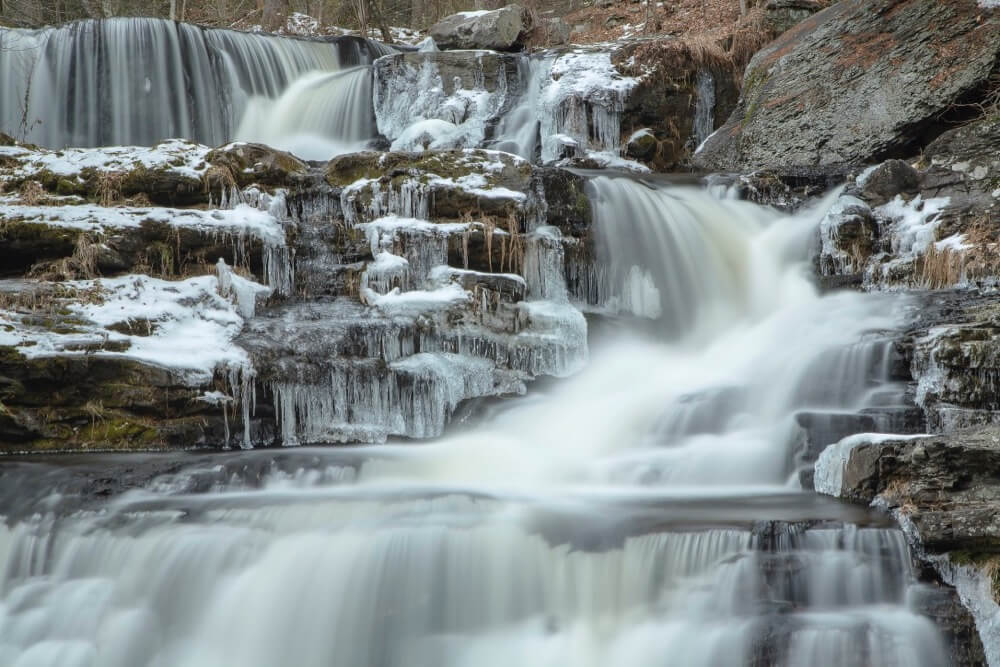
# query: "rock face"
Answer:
x=947 y=483
x=680 y=98
x=858 y=82
x=501 y=29
x=944 y=491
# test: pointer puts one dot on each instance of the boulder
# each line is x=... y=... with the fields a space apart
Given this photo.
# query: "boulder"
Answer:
x=256 y=164
x=552 y=31
x=856 y=83
x=964 y=163
x=501 y=29
x=891 y=178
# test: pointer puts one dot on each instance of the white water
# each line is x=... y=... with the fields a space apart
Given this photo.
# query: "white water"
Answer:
x=594 y=524
x=320 y=115
x=136 y=81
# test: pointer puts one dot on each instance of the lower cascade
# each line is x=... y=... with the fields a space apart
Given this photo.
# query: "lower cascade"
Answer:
x=647 y=511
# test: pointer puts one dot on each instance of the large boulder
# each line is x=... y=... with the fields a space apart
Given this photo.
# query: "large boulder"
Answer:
x=501 y=29
x=858 y=82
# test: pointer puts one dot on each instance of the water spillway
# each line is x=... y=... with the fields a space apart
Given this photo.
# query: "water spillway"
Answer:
x=138 y=81
x=646 y=511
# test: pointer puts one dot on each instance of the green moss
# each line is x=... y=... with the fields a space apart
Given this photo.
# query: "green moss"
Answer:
x=66 y=187
x=753 y=89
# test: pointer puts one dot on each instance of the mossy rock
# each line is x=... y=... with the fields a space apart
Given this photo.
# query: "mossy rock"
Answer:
x=440 y=174
x=94 y=402
x=22 y=244
x=247 y=164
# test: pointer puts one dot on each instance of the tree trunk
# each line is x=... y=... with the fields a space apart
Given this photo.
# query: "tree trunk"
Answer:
x=361 y=14
x=173 y=10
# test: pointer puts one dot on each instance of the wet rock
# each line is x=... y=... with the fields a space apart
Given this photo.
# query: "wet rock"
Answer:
x=818 y=95
x=681 y=97
x=958 y=372
x=501 y=29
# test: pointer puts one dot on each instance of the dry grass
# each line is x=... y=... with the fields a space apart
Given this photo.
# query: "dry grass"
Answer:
x=31 y=193
x=109 y=187
x=978 y=261
x=81 y=265
x=48 y=298
x=713 y=30
x=219 y=177
x=941 y=268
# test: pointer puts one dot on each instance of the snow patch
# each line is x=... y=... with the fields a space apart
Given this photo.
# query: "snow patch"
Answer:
x=190 y=325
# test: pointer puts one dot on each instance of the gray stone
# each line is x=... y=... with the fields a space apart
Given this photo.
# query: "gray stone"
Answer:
x=780 y=15
x=947 y=485
x=889 y=179
x=555 y=31
x=858 y=82
x=499 y=30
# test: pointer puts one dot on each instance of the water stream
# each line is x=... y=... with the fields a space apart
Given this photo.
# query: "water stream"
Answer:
x=645 y=512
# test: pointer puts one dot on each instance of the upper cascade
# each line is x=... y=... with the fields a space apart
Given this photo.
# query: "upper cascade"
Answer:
x=137 y=81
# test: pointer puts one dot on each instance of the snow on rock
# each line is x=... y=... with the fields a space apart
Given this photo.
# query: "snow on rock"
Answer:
x=243 y=220
x=583 y=99
x=913 y=222
x=398 y=302
x=176 y=155
x=185 y=326
x=242 y=291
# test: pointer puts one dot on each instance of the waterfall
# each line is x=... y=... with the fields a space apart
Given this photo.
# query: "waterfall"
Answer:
x=320 y=115
x=644 y=512
x=138 y=81
x=519 y=128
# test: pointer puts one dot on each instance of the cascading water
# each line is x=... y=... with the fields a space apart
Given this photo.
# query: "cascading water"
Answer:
x=641 y=513
x=320 y=115
x=137 y=81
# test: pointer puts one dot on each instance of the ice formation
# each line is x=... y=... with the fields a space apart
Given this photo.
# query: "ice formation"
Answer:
x=565 y=103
